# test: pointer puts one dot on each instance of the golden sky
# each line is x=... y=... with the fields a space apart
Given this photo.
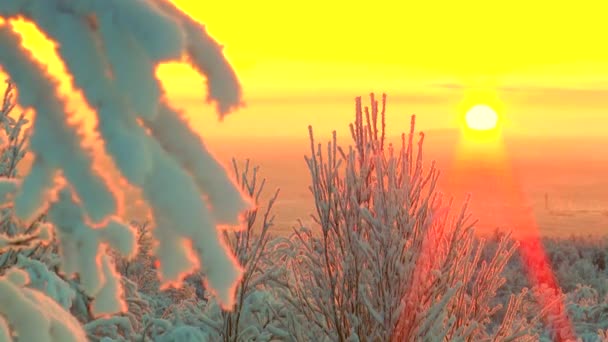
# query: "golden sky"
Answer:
x=545 y=62
x=542 y=64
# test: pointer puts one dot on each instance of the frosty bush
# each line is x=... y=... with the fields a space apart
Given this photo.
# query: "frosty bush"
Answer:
x=19 y=239
x=257 y=315
x=391 y=263
x=57 y=305
x=578 y=264
x=588 y=310
x=31 y=294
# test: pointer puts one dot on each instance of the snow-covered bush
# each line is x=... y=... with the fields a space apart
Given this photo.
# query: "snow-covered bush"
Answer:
x=579 y=261
x=588 y=312
x=31 y=247
x=258 y=315
x=578 y=266
x=390 y=262
x=33 y=315
x=34 y=250
x=140 y=269
x=13 y=148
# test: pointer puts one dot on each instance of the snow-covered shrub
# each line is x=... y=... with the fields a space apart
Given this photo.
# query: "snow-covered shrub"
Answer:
x=140 y=269
x=184 y=333
x=258 y=315
x=584 y=281
x=577 y=263
x=588 y=312
x=48 y=282
x=13 y=146
x=581 y=272
x=31 y=314
x=31 y=248
x=390 y=262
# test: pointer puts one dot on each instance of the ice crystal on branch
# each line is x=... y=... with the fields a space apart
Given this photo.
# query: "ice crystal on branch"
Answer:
x=111 y=50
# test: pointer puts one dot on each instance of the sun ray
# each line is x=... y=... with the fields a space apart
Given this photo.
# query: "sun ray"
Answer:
x=485 y=171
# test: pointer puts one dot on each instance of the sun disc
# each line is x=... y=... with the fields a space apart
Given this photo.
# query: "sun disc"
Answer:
x=481 y=118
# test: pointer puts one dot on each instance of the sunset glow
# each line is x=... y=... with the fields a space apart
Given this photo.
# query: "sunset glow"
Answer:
x=472 y=125
x=405 y=50
x=427 y=58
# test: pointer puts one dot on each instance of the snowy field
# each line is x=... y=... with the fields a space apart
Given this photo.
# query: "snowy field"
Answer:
x=574 y=181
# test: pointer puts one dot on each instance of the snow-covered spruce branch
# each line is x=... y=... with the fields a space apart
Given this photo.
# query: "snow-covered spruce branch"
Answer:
x=35 y=316
x=38 y=298
x=16 y=240
x=111 y=49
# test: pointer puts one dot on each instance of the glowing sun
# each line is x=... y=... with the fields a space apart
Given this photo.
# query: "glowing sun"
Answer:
x=481 y=118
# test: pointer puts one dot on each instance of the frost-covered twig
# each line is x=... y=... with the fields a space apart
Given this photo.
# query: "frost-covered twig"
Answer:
x=257 y=314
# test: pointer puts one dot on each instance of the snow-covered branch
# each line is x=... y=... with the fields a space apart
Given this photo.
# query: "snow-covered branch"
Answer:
x=111 y=50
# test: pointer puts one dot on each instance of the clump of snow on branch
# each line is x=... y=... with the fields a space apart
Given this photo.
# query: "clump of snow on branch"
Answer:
x=80 y=252
x=111 y=50
x=32 y=314
x=42 y=279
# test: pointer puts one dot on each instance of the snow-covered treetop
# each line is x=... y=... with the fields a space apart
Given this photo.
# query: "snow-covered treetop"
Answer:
x=111 y=49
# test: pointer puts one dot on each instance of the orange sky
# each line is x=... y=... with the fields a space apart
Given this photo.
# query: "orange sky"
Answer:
x=543 y=68
x=544 y=64
x=543 y=60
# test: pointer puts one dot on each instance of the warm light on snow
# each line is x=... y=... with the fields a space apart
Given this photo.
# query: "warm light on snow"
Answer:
x=380 y=254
